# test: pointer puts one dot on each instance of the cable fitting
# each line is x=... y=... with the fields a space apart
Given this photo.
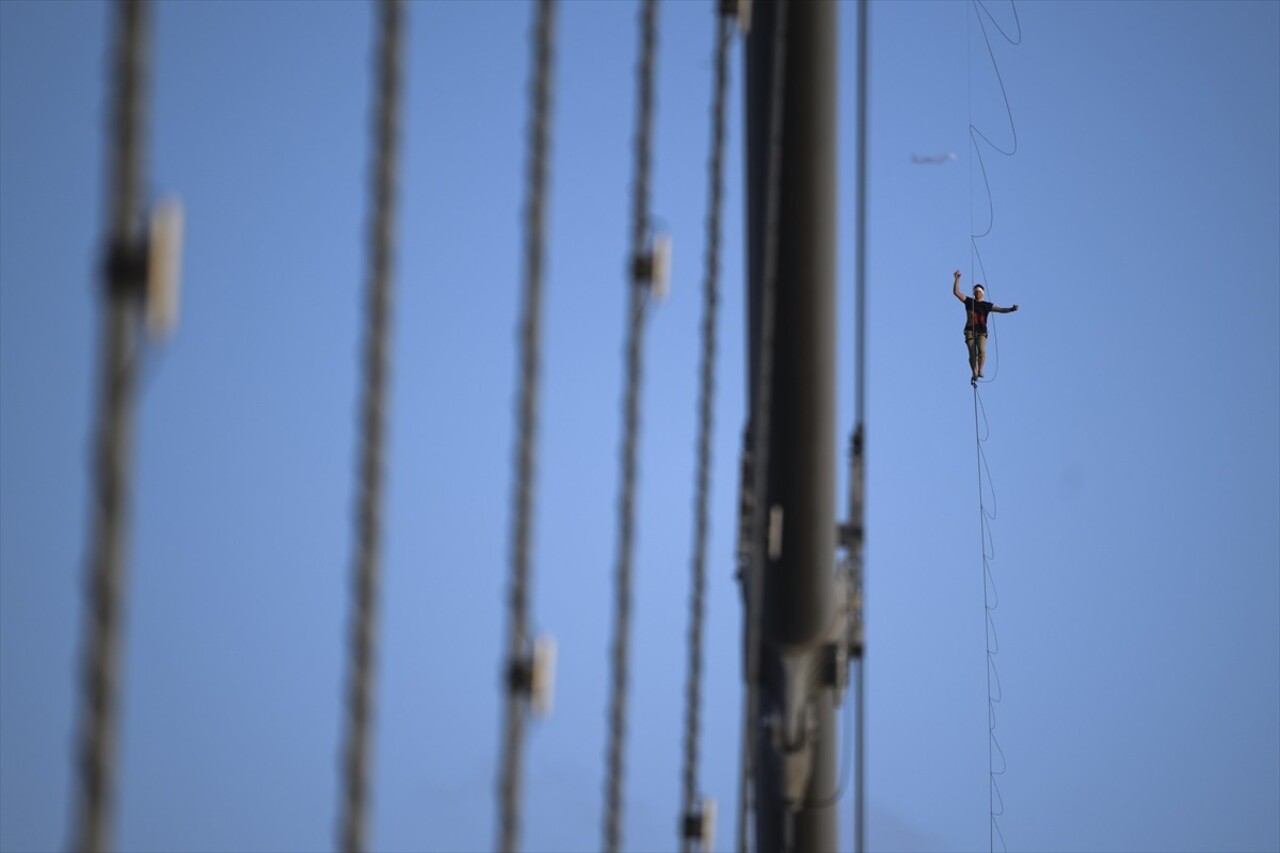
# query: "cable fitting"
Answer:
x=125 y=268
x=534 y=675
x=849 y=536
x=653 y=269
x=148 y=268
x=700 y=824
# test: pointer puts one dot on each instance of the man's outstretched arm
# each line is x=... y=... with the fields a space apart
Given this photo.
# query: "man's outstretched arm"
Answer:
x=955 y=287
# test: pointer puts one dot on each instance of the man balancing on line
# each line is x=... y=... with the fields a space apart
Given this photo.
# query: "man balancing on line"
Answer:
x=975 y=325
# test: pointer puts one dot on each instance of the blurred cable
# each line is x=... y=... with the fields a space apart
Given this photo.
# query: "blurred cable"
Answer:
x=535 y=214
x=706 y=397
x=352 y=832
x=637 y=296
x=124 y=272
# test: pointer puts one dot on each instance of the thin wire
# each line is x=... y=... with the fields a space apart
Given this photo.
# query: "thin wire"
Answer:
x=990 y=601
x=706 y=399
x=539 y=144
x=631 y=429
x=990 y=596
x=110 y=509
x=352 y=830
x=859 y=435
x=760 y=420
x=979 y=6
x=975 y=133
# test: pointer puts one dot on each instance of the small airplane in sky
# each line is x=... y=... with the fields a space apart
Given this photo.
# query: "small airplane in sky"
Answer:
x=932 y=159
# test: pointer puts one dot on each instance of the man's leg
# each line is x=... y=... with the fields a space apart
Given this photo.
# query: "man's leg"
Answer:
x=981 y=344
x=972 y=346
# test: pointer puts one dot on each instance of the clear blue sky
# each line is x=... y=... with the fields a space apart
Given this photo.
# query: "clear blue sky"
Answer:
x=1134 y=449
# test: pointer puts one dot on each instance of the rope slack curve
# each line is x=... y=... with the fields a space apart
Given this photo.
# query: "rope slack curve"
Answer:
x=990 y=601
x=975 y=133
x=637 y=297
x=95 y=756
x=527 y=422
x=706 y=397
x=352 y=830
x=990 y=597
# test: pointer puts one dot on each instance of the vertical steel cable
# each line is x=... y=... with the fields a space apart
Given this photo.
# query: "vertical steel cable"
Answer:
x=706 y=397
x=110 y=502
x=858 y=440
x=631 y=426
x=527 y=423
x=761 y=414
x=352 y=831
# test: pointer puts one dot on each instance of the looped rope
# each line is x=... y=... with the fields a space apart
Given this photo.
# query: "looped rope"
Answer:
x=990 y=601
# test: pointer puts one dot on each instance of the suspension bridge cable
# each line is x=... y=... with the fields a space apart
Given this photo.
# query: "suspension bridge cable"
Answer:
x=352 y=830
x=637 y=297
x=535 y=213
x=761 y=411
x=110 y=502
x=706 y=399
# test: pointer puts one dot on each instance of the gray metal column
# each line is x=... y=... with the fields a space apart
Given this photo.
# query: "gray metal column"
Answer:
x=791 y=103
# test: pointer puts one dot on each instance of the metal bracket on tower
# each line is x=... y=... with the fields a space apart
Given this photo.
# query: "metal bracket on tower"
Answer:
x=851 y=537
x=746 y=509
x=794 y=725
x=836 y=653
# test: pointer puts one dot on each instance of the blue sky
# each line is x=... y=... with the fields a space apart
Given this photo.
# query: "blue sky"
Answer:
x=1134 y=425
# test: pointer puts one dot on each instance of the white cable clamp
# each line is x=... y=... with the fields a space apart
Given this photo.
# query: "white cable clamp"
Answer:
x=164 y=267
x=654 y=268
x=542 y=676
x=700 y=824
x=534 y=676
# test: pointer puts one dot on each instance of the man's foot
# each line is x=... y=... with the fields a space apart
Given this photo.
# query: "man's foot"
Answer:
x=979 y=374
x=973 y=380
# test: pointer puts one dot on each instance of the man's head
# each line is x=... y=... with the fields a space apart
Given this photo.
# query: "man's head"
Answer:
x=979 y=292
